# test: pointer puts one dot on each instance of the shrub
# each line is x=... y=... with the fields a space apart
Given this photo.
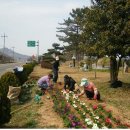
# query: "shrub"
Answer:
x=23 y=76
x=6 y=80
x=5 y=107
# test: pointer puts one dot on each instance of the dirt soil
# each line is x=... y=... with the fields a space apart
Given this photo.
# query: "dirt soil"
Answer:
x=49 y=118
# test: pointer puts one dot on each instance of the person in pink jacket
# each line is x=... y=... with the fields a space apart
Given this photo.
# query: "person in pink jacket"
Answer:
x=45 y=82
x=89 y=89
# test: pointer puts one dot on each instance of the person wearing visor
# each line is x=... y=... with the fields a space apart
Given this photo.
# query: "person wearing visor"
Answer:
x=89 y=89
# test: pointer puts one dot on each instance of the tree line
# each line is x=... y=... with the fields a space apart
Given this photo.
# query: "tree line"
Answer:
x=100 y=30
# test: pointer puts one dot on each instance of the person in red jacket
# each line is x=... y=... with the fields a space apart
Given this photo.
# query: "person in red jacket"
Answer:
x=89 y=89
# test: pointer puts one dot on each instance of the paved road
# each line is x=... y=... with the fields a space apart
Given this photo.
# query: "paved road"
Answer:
x=9 y=67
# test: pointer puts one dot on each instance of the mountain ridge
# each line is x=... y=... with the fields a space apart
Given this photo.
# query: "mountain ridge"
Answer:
x=16 y=55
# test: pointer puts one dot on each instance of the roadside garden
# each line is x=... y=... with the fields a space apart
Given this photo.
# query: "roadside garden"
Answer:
x=57 y=109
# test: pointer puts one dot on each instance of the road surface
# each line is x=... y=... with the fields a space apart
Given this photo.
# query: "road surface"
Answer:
x=9 y=67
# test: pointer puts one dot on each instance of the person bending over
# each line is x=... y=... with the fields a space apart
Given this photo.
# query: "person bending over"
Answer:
x=70 y=84
x=89 y=89
x=45 y=82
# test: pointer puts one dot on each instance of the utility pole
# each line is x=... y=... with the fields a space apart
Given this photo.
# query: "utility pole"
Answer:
x=13 y=53
x=4 y=36
x=37 y=51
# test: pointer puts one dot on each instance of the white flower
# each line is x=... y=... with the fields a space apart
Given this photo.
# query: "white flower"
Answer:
x=74 y=106
x=73 y=101
x=97 y=117
x=75 y=97
x=84 y=113
x=67 y=97
x=64 y=92
x=80 y=103
x=83 y=104
x=104 y=127
x=95 y=126
x=70 y=92
x=78 y=100
x=89 y=122
x=87 y=119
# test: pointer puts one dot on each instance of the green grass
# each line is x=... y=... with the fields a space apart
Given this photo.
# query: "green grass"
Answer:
x=118 y=98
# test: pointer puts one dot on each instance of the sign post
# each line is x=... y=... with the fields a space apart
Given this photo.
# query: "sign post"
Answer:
x=37 y=51
x=31 y=43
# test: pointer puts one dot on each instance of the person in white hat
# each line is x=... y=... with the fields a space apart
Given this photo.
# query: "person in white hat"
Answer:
x=89 y=89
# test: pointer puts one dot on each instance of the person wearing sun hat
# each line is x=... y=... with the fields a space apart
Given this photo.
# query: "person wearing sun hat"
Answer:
x=89 y=89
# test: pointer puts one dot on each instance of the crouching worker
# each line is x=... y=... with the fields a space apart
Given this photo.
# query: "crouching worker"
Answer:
x=45 y=82
x=70 y=84
x=89 y=89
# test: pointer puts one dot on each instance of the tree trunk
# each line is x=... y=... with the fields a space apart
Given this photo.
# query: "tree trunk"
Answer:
x=113 y=69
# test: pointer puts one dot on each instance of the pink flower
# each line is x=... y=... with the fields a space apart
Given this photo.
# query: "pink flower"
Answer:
x=68 y=105
x=127 y=125
x=83 y=126
x=108 y=120
x=73 y=124
x=109 y=111
x=95 y=107
x=103 y=105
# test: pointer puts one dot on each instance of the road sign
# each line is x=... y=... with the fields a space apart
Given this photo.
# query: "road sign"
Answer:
x=31 y=43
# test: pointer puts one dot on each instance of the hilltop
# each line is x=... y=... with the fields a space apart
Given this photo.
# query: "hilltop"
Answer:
x=17 y=56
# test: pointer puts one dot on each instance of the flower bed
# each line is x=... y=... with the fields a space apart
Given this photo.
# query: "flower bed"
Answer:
x=94 y=116
x=76 y=114
x=64 y=110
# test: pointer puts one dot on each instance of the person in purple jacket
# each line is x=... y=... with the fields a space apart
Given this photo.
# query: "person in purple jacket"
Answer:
x=45 y=82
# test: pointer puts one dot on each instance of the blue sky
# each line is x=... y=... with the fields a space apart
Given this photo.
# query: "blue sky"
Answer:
x=23 y=20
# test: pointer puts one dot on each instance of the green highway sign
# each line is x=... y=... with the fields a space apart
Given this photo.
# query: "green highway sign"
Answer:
x=31 y=43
